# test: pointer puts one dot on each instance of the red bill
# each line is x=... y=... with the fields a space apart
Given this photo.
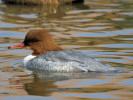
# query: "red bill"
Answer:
x=20 y=46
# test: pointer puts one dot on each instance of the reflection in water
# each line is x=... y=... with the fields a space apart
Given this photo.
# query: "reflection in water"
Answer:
x=45 y=80
x=38 y=87
x=15 y=16
x=58 y=76
x=40 y=2
x=99 y=28
x=97 y=95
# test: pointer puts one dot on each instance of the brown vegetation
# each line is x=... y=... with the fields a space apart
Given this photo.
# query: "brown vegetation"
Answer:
x=41 y=1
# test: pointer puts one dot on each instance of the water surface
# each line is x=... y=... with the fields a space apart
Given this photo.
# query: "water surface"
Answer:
x=99 y=28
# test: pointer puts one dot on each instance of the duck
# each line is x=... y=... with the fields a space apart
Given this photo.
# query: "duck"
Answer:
x=49 y=56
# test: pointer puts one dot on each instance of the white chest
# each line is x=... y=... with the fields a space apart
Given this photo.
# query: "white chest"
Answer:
x=28 y=58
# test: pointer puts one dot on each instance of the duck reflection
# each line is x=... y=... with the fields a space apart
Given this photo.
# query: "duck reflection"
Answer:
x=39 y=87
x=59 y=76
x=44 y=81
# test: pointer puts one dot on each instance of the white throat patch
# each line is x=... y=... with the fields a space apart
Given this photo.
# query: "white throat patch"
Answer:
x=28 y=58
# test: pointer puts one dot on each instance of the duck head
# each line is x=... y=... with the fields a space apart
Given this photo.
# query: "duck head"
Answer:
x=40 y=41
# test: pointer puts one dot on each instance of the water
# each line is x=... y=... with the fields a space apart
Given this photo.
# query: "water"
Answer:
x=99 y=28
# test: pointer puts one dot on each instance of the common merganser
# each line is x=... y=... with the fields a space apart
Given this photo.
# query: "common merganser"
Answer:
x=47 y=55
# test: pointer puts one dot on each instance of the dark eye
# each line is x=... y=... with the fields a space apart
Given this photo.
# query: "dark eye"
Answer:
x=34 y=40
x=28 y=42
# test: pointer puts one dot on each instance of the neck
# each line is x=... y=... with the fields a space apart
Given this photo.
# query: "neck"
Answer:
x=44 y=49
x=45 y=45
